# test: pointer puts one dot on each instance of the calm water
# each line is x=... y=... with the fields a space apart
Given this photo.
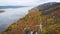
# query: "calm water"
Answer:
x=11 y=15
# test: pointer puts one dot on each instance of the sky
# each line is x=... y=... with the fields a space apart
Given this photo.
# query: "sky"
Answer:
x=24 y=2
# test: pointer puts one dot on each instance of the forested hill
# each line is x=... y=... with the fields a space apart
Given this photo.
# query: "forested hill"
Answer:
x=48 y=15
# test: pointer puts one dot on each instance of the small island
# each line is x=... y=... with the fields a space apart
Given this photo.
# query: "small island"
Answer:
x=1 y=11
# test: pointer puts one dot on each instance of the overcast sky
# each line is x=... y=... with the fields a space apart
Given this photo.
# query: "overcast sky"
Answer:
x=25 y=2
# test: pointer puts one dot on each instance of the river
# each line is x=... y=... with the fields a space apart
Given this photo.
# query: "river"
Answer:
x=11 y=15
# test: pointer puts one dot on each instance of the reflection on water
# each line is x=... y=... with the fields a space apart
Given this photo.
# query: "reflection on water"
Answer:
x=11 y=15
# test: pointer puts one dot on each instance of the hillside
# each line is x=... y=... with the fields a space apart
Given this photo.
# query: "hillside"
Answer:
x=47 y=15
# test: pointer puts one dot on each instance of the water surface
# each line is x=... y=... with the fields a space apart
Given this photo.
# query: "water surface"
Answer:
x=11 y=15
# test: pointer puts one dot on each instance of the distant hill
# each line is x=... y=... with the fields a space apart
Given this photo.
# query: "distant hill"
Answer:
x=48 y=15
x=47 y=5
x=5 y=7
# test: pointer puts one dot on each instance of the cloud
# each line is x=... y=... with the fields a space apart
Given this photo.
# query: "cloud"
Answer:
x=25 y=2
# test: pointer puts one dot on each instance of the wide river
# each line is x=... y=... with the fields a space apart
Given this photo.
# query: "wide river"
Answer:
x=11 y=15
